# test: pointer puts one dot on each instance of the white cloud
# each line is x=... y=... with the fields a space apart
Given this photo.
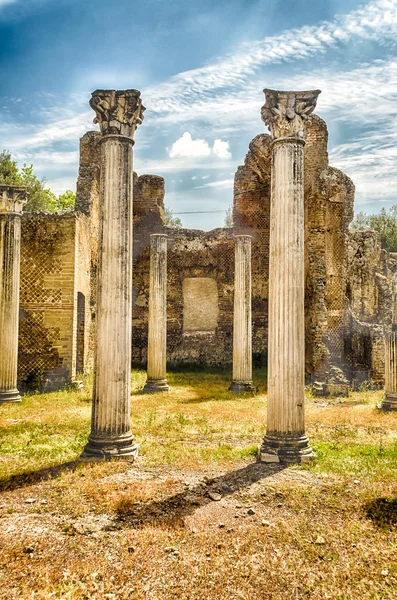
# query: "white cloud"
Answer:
x=5 y=2
x=221 y=149
x=191 y=91
x=187 y=147
x=223 y=183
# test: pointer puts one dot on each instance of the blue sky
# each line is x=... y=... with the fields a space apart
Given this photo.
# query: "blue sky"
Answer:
x=201 y=67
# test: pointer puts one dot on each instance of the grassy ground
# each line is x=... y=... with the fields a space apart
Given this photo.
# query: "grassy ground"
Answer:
x=195 y=517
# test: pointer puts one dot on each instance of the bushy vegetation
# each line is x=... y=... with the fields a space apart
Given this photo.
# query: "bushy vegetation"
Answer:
x=384 y=222
x=40 y=198
x=171 y=220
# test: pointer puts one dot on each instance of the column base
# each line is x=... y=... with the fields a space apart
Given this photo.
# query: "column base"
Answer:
x=286 y=449
x=389 y=402
x=10 y=396
x=110 y=448
x=153 y=386
x=239 y=387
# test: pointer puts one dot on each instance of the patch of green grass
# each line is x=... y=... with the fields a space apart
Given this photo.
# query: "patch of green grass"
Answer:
x=361 y=460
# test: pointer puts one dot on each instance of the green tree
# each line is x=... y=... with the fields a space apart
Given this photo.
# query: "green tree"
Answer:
x=384 y=222
x=65 y=202
x=9 y=174
x=40 y=198
x=228 y=222
x=172 y=221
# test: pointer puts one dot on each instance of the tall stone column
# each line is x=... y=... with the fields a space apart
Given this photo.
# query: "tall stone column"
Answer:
x=389 y=402
x=285 y=441
x=242 y=319
x=12 y=200
x=118 y=114
x=157 y=334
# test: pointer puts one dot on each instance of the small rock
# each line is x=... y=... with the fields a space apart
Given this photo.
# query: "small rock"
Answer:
x=221 y=525
x=171 y=550
x=251 y=511
x=320 y=540
x=43 y=501
x=214 y=496
x=194 y=530
x=265 y=523
x=356 y=481
x=279 y=505
x=28 y=550
x=385 y=572
x=30 y=500
x=131 y=549
x=239 y=506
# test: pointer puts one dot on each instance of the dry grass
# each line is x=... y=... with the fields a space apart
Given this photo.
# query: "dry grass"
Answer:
x=195 y=517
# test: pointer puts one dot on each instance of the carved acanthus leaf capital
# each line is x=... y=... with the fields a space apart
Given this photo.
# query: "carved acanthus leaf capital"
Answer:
x=12 y=198
x=286 y=113
x=117 y=111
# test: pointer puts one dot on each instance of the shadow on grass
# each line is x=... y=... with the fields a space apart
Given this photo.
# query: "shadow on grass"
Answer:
x=25 y=479
x=171 y=511
x=382 y=512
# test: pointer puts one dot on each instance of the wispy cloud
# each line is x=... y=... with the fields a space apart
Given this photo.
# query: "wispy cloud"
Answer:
x=374 y=21
x=5 y=2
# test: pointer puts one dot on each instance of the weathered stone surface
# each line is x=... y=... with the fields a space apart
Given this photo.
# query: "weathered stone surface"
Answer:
x=389 y=402
x=55 y=315
x=12 y=200
x=118 y=114
x=286 y=345
x=157 y=334
x=242 y=320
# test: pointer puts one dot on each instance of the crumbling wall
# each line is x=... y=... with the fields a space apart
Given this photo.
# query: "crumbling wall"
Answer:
x=199 y=284
x=329 y=198
x=53 y=250
x=371 y=296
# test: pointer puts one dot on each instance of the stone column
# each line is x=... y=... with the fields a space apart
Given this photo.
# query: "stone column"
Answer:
x=12 y=200
x=389 y=402
x=118 y=114
x=242 y=320
x=157 y=334
x=285 y=441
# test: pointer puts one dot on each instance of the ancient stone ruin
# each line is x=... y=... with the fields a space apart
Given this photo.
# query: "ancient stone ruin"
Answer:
x=349 y=281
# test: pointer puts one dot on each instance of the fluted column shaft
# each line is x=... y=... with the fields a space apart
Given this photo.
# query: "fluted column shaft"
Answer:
x=242 y=318
x=118 y=113
x=110 y=428
x=10 y=248
x=285 y=439
x=157 y=332
x=389 y=402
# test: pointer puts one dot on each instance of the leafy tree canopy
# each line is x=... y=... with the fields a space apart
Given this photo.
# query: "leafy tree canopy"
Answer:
x=384 y=222
x=40 y=198
x=172 y=221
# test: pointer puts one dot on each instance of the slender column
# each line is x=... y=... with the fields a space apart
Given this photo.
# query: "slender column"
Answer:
x=285 y=441
x=12 y=200
x=242 y=320
x=118 y=113
x=157 y=334
x=389 y=402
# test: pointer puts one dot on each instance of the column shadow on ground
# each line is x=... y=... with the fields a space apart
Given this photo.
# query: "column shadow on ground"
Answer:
x=172 y=510
x=25 y=479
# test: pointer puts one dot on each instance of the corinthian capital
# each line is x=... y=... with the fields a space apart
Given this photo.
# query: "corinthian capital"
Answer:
x=117 y=111
x=285 y=113
x=12 y=198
